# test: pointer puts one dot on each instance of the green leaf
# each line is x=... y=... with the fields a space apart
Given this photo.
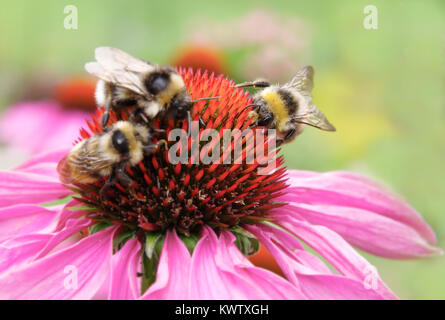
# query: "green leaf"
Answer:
x=121 y=239
x=245 y=241
x=150 y=258
x=149 y=268
x=57 y=202
x=151 y=242
x=241 y=231
x=99 y=227
x=85 y=207
x=190 y=242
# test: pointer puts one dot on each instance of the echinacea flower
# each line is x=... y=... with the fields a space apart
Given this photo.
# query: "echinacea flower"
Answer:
x=39 y=126
x=190 y=230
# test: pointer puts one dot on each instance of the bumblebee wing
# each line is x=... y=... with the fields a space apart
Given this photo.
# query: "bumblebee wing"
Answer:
x=90 y=162
x=303 y=81
x=119 y=68
x=311 y=115
x=64 y=171
x=122 y=78
x=113 y=58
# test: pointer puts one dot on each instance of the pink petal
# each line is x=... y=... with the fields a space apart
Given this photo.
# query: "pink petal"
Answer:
x=172 y=278
x=336 y=251
x=70 y=212
x=16 y=251
x=220 y=271
x=125 y=284
x=352 y=190
x=27 y=188
x=24 y=219
x=37 y=126
x=44 y=164
x=369 y=231
x=308 y=272
x=87 y=261
x=47 y=157
x=25 y=248
x=72 y=226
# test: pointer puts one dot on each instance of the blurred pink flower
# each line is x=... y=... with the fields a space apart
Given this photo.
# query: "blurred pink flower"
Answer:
x=40 y=126
x=259 y=33
x=52 y=119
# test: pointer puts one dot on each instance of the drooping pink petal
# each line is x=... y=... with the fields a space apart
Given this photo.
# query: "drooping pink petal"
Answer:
x=38 y=126
x=71 y=227
x=308 y=272
x=25 y=248
x=69 y=211
x=27 y=188
x=336 y=251
x=369 y=231
x=125 y=284
x=18 y=250
x=76 y=272
x=220 y=271
x=172 y=277
x=46 y=157
x=24 y=219
x=354 y=191
x=44 y=164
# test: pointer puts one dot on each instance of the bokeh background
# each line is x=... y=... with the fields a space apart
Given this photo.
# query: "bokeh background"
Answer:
x=383 y=89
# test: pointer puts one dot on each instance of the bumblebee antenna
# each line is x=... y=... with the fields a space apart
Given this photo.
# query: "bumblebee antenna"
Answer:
x=248 y=106
x=207 y=98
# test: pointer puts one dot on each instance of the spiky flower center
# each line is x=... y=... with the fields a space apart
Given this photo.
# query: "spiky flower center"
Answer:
x=187 y=196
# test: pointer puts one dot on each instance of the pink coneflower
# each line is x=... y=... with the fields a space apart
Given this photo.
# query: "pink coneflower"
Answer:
x=188 y=233
x=36 y=126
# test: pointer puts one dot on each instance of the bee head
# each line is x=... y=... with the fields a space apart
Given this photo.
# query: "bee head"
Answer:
x=142 y=134
x=120 y=142
x=265 y=118
x=157 y=82
x=179 y=106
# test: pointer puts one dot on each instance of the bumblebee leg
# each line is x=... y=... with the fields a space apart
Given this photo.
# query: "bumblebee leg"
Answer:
x=106 y=115
x=103 y=193
x=155 y=130
x=125 y=180
x=261 y=84
x=290 y=135
x=152 y=148
x=256 y=84
x=189 y=124
x=202 y=124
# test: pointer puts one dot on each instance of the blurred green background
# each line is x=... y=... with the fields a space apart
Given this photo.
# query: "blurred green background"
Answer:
x=383 y=89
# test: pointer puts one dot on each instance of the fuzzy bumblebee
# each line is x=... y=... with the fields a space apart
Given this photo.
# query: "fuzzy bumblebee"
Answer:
x=287 y=108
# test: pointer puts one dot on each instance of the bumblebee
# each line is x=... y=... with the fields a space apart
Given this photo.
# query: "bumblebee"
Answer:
x=107 y=154
x=287 y=108
x=127 y=81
